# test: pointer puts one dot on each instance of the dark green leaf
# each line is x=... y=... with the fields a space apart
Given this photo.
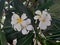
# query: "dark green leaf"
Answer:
x=1 y=7
x=2 y=38
x=25 y=40
x=46 y=4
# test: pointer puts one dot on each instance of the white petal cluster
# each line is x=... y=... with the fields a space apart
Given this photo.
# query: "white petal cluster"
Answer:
x=25 y=2
x=22 y=23
x=44 y=18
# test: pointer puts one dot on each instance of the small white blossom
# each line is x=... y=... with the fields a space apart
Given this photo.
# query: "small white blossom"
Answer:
x=44 y=18
x=11 y=6
x=57 y=41
x=3 y=19
x=24 y=2
x=6 y=7
x=21 y=23
x=8 y=43
x=6 y=2
x=14 y=41
x=1 y=26
x=30 y=3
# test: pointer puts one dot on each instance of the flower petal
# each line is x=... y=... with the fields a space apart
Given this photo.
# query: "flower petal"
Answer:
x=48 y=23
x=29 y=27
x=24 y=31
x=36 y=17
x=24 y=23
x=46 y=15
x=49 y=17
x=44 y=12
x=28 y=21
x=23 y=16
x=42 y=26
x=17 y=27
x=14 y=41
x=13 y=22
x=15 y=16
x=38 y=12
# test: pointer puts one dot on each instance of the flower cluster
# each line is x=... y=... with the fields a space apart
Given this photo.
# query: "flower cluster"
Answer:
x=24 y=25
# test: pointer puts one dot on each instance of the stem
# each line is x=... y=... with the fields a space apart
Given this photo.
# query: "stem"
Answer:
x=44 y=38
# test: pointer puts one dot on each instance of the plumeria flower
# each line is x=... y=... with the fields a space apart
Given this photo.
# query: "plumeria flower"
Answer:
x=44 y=18
x=21 y=23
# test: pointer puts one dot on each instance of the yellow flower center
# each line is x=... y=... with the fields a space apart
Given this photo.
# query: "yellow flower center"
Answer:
x=20 y=20
x=42 y=19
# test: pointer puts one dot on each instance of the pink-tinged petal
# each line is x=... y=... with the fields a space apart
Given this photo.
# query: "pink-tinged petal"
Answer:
x=15 y=16
x=24 y=23
x=29 y=27
x=17 y=27
x=44 y=12
x=28 y=21
x=48 y=23
x=24 y=32
x=42 y=26
x=46 y=15
x=23 y=16
x=13 y=22
x=49 y=17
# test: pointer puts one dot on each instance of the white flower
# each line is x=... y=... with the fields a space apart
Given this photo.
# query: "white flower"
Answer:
x=21 y=23
x=44 y=18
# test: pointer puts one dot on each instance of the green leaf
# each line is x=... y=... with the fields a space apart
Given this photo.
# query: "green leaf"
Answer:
x=2 y=38
x=1 y=7
x=25 y=39
x=46 y=4
x=10 y=34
